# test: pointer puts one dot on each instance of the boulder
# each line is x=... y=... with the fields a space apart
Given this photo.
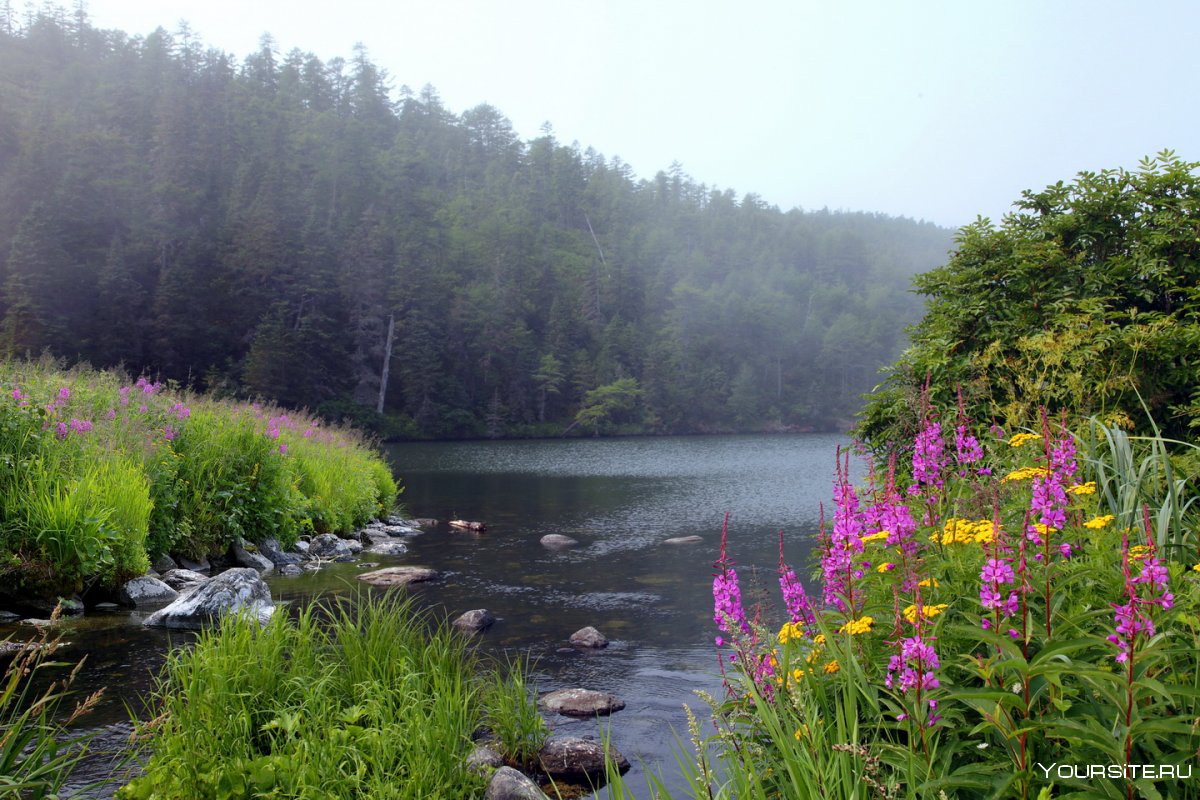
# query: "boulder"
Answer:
x=8 y=616
x=239 y=590
x=271 y=549
x=163 y=563
x=373 y=535
x=355 y=546
x=589 y=637
x=146 y=591
x=508 y=784
x=244 y=557
x=476 y=621
x=398 y=576
x=581 y=760
x=184 y=580
x=556 y=541
x=484 y=758
x=424 y=522
x=389 y=547
x=684 y=540
x=301 y=547
x=195 y=566
x=400 y=530
x=581 y=703
x=291 y=570
x=328 y=545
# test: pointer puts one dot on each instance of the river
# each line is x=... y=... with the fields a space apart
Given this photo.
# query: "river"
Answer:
x=620 y=498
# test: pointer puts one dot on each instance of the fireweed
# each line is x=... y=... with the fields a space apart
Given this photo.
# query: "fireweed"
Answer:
x=970 y=684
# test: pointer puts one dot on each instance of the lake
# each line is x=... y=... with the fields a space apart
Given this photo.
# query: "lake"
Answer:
x=620 y=498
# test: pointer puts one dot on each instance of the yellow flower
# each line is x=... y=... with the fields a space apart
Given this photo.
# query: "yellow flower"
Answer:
x=801 y=732
x=791 y=631
x=887 y=566
x=880 y=536
x=1043 y=529
x=857 y=626
x=1096 y=523
x=832 y=667
x=1026 y=473
x=1019 y=439
x=1083 y=488
x=819 y=639
x=910 y=613
x=1138 y=552
x=1196 y=568
x=929 y=582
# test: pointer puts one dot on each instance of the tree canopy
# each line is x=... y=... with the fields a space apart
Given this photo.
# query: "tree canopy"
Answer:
x=1085 y=300
x=252 y=226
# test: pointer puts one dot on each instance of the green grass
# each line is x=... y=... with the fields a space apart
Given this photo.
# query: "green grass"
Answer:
x=364 y=700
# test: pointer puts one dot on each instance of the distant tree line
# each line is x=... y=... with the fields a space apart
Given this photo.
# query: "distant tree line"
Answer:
x=269 y=227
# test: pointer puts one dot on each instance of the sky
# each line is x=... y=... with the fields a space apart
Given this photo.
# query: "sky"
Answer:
x=936 y=111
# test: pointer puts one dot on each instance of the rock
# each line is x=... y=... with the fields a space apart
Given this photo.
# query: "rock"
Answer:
x=581 y=703
x=475 y=621
x=468 y=525
x=184 y=580
x=589 y=637
x=424 y=522
x=328 y=545
x=353 y=545
x=387 y=548
x=572 y=758
x=9 y=616
x=163 y=563
x=400 y=530
x=508 y=784
x=195 y=566
x=290 y=570
x=684 y=540
x=251 y=560
x=301 y=547
x=398 y=576
x=483 y=759
x=11 y=648
x=145 y=591
x=236 y=590
x=556 y=541
x=271 y=549
x=39 y=623
x=374 y=535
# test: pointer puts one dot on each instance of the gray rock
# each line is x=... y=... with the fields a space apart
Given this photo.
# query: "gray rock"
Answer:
x=354 y=546
x=424 y=522
x=146 y=591
x=401 y=530
x=291 y=570
x=328 y=545
x=164 y=563
x=581 y=703
x=576 y=759
x=301 y=547
x=39 y=623
x=589 y=637
x=556 y=541
x=398 y=576
x=508 y=784
x=388 y=548
x=476 y=621
x=684 y=540
x=271 y=549
x=9 y=616
x=484 y=758
x=374 y=535
x=251 y=560
x=238 y=590
x=184 y=580
x=195 y=566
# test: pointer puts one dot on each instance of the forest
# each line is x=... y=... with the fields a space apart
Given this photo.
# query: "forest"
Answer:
x=306 y=232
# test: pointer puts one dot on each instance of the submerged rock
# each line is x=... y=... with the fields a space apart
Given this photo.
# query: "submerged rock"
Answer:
x=475 y=621
x=398 y=576
x=684 y=540
x=589 y=637
x=387 y=548
x=556 y=541
x=581 y=703
x=508 y=784
x=239 y=590
x=574 y=759
x=290 y=570
x=146 y=591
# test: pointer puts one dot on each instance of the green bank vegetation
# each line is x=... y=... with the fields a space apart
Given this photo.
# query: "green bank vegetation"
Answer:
x=99 y=475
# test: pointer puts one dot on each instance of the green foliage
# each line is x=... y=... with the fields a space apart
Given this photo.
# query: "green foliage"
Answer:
x=292 y=208
x=38 y=751
x=360 y=701
x=609 y=405
x=1083 y=300
x=513 y=717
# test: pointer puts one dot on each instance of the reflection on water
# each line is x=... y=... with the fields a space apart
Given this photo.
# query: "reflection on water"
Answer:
x=620 y=498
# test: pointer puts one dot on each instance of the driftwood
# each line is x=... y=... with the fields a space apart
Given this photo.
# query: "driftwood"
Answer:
x=463 y=524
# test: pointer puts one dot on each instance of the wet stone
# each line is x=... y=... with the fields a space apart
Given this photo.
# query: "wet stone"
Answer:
x=398 y=576
x=556 y=541
x=589 y=637
x=581 y=703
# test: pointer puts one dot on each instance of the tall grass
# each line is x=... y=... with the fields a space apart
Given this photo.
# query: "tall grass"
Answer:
x=366 y=699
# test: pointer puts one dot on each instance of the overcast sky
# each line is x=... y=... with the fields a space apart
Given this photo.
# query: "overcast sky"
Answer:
x=935 y=111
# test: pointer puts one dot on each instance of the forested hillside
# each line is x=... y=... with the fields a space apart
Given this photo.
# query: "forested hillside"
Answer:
x=253 y=226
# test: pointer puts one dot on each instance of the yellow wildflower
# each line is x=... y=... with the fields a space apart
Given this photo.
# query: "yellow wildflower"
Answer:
x=1196 y=568
x=983 y=531
x=1096 y=523
x=1043 y=529
x=929 y=582
x=832 y=667
x=1083 y=488
x=1138 y=552
x=801 y=732
x=857 y=626
x=910 y=613
x=791 y=631
x=1019 y=439
x=887 y=566
x=880 y=536
x=819 y=639
x=1026 y=473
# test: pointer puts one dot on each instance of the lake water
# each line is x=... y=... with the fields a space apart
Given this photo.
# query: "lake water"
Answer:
x=620 y=498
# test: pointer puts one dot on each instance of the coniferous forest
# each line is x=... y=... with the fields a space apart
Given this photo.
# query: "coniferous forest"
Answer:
x=274 y=226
